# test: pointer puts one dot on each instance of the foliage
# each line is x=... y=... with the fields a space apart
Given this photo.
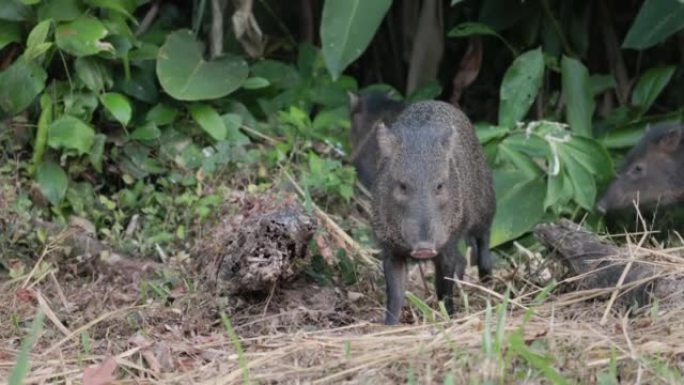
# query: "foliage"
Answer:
x=132 y=116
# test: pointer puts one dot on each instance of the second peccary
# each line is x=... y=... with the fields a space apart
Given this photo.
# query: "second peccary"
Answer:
x=367 y=110
x=433 y=188
x=652 y=174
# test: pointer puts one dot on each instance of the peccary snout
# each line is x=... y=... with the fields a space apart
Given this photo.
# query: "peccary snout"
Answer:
x=652 y=174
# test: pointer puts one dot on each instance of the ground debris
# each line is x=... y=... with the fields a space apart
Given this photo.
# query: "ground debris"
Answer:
x=262 y=245
x=643 y=274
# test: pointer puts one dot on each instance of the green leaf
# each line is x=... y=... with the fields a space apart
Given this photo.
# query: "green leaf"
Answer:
x=468 y=29
x=52 y=181
x=117 y=105
x=578 y=95
x=255 y=83
x=233 y=122
x=44 y=120
x=23 y=359
x=19 y=85
x=147 y=131
x=347 y=27
x=209 y=120
x=520 y=86
x=93 y=74
x=650 y=85
x=96 y=153
x=123 y=7
x=558 y=191
x=82 y=37
x=583 y=184
x=185 y=75
x=14 y=11
x=71 y=133
x=655 y=22
x=60 y=10
x=10 y=32
x=162 y=114
x=519 y=205
x=601 y=83
x=36 y=38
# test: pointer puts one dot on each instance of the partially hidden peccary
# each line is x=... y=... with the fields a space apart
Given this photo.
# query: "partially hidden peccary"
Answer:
x=652 y=174
x=367 y=110
x=433 y=188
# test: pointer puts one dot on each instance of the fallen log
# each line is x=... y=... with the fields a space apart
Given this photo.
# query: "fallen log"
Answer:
x=640 y=275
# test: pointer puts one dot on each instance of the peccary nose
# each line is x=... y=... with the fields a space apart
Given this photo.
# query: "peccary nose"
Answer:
x=424 y=250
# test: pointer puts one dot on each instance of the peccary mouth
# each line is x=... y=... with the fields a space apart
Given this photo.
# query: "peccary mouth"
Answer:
x=424 y=253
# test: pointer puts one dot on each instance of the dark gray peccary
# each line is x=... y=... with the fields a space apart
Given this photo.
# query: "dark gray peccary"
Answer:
x=367 y=110
x=433 y=187
x=652 y=174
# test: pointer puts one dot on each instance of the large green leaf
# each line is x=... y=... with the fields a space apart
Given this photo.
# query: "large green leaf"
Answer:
x=117 y=105
x=650 y=85
x=71 y=133
x=10 y=32
x=520 y=86
x=209 y=120
x=656 y=21
x=19 y=86
x=82 y=37
x=52 y=181
x=347 y=28
x=578 y=95
x=583 y=183
x=185 y=75
x=519 y=205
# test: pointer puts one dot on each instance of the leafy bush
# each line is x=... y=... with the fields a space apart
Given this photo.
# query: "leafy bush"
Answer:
x=127 y=114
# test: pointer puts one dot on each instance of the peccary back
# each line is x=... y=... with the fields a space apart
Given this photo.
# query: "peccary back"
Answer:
x=652 y=174
x=432 y=188
x=367 y=110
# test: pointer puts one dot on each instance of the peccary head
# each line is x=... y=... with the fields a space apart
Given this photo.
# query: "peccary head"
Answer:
x=415 y=188
x=653 y=172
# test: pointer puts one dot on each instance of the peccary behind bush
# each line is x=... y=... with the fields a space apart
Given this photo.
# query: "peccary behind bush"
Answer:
x=652 y=174
x=433 y=187
x=367 y=110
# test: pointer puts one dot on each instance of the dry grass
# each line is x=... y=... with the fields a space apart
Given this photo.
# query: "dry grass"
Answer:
x=311 y=334
x=166 y=330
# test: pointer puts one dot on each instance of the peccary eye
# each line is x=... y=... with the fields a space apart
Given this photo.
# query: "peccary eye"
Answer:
x=439 y=187
x=638 y=169
x=402 y=187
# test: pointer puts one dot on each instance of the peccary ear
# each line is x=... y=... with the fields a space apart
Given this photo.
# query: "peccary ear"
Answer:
x=670 y=141
x=354 y=101
x=387 y=141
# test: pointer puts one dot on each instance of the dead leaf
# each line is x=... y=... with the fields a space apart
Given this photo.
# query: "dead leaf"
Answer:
x=324 y=249
x=25 y=295
x=428 y=46
x=247 y=29
x=468 y=69
x=102 y=374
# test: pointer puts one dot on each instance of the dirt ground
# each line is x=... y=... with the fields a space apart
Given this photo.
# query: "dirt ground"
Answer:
x=163 y=325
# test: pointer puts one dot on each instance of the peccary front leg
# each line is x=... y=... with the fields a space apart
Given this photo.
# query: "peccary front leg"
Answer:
x=480 y=254
x=395 y=279
x=448 y=262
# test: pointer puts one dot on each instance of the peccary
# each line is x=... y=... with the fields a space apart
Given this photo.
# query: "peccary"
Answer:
x=433 y=187
x=652 y=174
x=367 y=110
